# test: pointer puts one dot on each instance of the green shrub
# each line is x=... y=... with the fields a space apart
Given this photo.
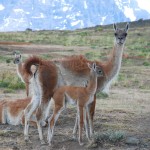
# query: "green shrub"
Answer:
x=98 y=29
x=83 y=33
x=146 y=63
x=102 y=95
x=109 y=136
x=10 y=81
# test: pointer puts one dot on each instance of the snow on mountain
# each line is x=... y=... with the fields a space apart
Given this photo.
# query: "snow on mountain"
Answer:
x=17 y=15
x=1 y=7
x=125 y=7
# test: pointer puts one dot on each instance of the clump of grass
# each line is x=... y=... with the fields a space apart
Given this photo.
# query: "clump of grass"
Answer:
x=10 y=81
x=8 y=91
x=109 y=136
x=121 y=77
x=3 y=58
x=93 y=55
x=98 y=29
x=146 y=63
x=46 y=56
x=8 y=133
x=102 y=95
x=83 y=33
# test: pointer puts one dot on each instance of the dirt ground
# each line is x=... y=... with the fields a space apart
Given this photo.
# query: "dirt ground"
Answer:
x=125 y=110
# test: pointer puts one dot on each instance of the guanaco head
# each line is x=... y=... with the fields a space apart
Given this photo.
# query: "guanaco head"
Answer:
x=120 y=34
x=96 y=69
x=17 y=59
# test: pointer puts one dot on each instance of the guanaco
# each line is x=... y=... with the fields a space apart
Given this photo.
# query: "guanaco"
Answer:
x=12 y=111
x=21 y=71
x=82 y=97
x=74 y=68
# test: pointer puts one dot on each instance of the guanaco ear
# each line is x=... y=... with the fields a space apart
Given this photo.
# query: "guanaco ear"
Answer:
x=15 y=55
x=115 y=27
x=127 y=27
x=94 y=66
x=89 y=65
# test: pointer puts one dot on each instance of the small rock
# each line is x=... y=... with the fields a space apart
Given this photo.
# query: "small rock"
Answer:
x=15 y=148
x=132 y=141
x=92 y=145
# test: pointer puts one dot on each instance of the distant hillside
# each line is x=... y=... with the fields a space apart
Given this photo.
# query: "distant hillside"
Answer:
x=133 y=24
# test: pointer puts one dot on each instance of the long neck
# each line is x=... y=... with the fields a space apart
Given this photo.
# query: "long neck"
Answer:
x=114 y=64
x=20 y=71
x=92 y=85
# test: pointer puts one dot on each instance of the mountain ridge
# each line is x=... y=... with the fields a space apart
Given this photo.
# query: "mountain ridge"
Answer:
x=18 y=15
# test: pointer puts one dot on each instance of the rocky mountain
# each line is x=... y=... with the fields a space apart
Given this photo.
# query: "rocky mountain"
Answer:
x=18 y=15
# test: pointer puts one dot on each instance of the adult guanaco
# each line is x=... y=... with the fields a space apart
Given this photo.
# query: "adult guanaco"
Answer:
x=74 y=68
x=43 y=82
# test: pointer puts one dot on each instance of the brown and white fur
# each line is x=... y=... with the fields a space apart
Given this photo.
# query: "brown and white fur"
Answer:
x=43 y=83
x=79 y=96
x=12 y=111
x=74 y=68
x=21 y=72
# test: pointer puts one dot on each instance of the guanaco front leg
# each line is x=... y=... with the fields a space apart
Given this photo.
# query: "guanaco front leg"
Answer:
x=86 y=124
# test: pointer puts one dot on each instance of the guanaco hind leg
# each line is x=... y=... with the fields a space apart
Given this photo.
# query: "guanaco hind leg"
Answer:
x=80 y=123
x=40 y=131
x=75 y=127
x=28 y=113
x=91 y=114
x=57 y=110
x=86 y=123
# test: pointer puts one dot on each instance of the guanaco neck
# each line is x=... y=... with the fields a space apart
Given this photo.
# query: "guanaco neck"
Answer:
x=92 y=85
x=113 y=66
x=20 y=71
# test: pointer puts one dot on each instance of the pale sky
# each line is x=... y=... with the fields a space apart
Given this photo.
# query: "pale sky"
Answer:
x=144 y=4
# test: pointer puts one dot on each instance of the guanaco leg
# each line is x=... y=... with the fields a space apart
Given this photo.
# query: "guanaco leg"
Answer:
x=57 y=110
x=90 y=116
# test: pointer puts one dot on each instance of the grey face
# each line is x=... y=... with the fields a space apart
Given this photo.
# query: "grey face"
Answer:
x=17 y=59
x=99 y=71
x=120 y=34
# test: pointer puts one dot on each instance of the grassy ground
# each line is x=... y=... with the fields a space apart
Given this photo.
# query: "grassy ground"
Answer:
x=124 y=113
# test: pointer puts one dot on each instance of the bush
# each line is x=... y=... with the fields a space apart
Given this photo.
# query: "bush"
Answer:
x=10 y=81
x=109 y=136
x=146 y=63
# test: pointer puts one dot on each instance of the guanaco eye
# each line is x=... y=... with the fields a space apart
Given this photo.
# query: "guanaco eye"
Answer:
x=100 y=72
x=125 y=34
x=115 y=34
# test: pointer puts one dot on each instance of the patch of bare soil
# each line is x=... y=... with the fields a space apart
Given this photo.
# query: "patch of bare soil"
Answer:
x=125 y=111
x=39 y=49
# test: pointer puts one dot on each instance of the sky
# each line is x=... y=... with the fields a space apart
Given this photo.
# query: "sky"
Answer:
x=144 y=4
